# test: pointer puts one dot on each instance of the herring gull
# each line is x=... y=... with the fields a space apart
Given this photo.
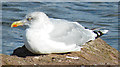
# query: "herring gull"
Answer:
x=46 y=35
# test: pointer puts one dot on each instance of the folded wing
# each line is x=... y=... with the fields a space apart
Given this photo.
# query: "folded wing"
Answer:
x=70 y=32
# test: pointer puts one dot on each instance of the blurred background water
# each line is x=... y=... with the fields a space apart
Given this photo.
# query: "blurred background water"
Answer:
x=89 y=14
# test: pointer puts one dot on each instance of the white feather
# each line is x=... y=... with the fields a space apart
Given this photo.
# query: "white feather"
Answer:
x=104 y=31
x=48 y=35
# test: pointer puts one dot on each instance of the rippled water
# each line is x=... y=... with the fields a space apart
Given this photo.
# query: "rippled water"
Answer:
x=88 y=14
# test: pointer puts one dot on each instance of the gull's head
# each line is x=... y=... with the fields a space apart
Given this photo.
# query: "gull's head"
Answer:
x=31 y=18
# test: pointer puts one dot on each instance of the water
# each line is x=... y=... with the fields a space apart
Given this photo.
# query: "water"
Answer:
x=88 y=14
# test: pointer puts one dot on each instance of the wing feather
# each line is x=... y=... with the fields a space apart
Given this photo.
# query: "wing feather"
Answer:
x=70 y=32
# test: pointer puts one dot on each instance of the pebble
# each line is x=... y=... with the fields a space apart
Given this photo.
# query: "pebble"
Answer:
x=35 y=64
x=36 y=57
x=72 y=57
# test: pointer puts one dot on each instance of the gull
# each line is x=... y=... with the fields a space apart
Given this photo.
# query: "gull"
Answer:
x=46 y=35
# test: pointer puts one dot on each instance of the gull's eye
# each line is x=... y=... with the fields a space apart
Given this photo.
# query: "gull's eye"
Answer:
x=29 y=19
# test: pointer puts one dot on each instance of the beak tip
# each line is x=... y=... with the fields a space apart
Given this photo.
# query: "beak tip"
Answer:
x=14 y=26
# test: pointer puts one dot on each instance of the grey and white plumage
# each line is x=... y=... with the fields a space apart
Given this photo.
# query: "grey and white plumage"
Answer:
x=47 y=35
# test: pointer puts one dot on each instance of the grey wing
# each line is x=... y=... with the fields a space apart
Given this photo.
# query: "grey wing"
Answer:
x=70 y=32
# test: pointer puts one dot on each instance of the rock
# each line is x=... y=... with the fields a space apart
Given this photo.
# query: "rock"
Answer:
x=96 y=52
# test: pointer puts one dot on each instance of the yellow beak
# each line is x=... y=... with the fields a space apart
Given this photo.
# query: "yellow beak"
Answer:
x=17 y=23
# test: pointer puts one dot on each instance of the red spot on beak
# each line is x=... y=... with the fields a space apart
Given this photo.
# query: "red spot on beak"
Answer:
x=14 y=25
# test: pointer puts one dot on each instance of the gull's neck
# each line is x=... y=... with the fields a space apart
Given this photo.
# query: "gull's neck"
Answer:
x=41 y=23
x=43 y=27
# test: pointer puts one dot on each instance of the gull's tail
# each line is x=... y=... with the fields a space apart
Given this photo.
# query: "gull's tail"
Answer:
x=99 y=31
